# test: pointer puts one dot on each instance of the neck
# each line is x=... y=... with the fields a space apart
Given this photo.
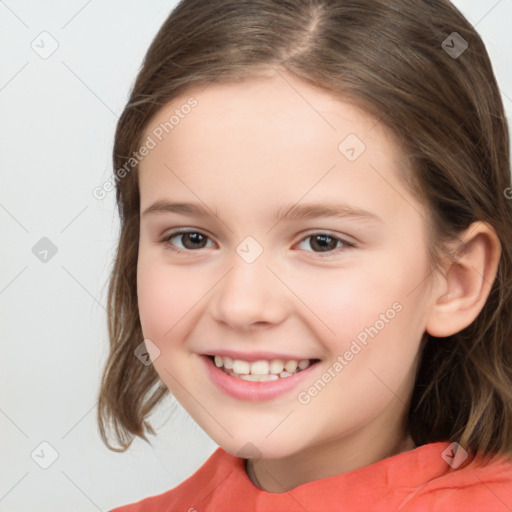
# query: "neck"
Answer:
x=275 y=476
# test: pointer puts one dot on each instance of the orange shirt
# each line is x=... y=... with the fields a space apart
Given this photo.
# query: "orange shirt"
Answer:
x=413 y=481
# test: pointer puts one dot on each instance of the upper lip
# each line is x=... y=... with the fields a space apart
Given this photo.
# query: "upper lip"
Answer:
x=256 y=356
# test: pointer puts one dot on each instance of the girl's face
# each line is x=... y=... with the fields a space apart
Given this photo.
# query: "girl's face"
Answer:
x=341 y=281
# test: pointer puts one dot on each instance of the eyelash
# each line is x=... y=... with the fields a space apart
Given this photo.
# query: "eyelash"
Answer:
x=166 y=239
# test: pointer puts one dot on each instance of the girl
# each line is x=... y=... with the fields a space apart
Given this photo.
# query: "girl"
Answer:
x=315 y=257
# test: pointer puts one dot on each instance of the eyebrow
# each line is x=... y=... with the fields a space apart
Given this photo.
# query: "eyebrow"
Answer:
x=290 y=212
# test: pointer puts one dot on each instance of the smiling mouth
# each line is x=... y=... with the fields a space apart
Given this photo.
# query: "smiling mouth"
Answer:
x=261 y=370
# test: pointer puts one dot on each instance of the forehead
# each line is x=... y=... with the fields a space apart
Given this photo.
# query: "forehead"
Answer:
x=266 y=134
x=266 y=103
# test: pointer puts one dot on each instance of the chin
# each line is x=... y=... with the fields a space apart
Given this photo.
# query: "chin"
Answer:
x=258 y=449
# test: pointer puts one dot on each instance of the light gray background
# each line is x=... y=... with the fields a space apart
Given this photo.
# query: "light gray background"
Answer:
x=57 y=120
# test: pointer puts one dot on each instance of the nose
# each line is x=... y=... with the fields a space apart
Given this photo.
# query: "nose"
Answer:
x=250 y=297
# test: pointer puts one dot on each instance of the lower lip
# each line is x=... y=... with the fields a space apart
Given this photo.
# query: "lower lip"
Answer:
x=254 y=391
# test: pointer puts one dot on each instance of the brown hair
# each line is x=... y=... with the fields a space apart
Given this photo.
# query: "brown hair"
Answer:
x=387 y=57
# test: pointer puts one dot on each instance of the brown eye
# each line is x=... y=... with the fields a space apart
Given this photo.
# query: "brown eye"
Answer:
x=193 y=240
x=323 y=243
x=186 y=240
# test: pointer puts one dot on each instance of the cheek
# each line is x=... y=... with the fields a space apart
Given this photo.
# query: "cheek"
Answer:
x=165 y=295
x=345 y=301
x=379 y=298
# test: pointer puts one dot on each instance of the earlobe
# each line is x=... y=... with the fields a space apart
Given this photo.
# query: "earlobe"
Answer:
x=467 y=280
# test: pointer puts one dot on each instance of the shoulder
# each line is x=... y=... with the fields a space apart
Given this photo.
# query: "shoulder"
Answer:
x=219 y=466
x=474 y=487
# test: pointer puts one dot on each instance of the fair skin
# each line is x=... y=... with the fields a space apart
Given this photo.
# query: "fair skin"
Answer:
x=247 y=150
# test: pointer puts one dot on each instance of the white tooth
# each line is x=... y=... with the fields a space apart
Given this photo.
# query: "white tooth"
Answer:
x=290 y=366
x=276 y=366
x=259 y=378
x=260 y=367
x=228 y=362
x=266 y=377
x=218 y=361
x=285 y=374
x=252 y=378
x=303 y=364
x=241 y=366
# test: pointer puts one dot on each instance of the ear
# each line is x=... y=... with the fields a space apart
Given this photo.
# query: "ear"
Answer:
x=466 y=282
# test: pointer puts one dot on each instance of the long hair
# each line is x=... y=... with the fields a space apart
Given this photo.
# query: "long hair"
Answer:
x=400 y=61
